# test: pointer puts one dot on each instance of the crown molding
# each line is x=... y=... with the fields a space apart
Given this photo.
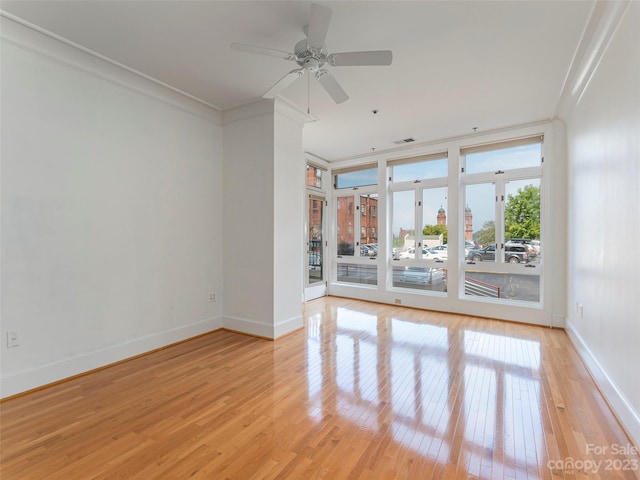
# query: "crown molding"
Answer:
x=30 y=37
x=266 y=106
x=292 y=111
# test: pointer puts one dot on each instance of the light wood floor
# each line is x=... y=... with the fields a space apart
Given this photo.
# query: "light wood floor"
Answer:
x=365 y=391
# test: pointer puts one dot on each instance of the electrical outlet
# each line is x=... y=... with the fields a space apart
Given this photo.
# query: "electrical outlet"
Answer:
x=579 y=309
x=13 y=338
x=212 y=297
x=398 y=301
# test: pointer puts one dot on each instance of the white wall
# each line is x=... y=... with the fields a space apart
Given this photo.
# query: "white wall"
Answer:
x=264 y=168
x=603 y=138
x=248 y=219
x=289 y=203
x=111 y=212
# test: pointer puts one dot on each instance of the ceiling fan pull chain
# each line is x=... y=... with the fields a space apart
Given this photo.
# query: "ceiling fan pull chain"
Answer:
x=308 y=94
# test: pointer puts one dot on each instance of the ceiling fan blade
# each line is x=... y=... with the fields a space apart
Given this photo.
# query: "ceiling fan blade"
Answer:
x=283 y=83
x=243 y=47
x=319 y=20
x=332 y=86
x=347 y=59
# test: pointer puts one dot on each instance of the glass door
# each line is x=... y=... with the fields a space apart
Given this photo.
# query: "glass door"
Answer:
x=315 y=281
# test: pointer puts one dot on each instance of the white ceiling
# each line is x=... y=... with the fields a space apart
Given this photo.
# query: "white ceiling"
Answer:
x=456 y=65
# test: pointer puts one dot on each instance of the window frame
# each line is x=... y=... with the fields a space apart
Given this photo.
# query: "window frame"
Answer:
x=500 y=179
x=358 y=222
x=418 y=186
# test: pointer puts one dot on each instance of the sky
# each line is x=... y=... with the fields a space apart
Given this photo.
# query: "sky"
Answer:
x=479 y=197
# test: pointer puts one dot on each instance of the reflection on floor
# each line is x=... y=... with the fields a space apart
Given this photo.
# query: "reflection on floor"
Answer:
x=365 y=391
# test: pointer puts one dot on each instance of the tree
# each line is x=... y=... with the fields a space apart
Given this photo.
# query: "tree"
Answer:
x=436 y=230
x=522 y=214
x=486 y=235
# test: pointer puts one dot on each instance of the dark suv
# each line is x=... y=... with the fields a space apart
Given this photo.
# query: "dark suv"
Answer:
x=513 y=253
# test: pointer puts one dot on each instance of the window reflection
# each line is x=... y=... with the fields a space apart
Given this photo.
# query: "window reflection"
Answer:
x=356 y=365
x=526 y=403
x=347 y=319
x=447 y=395
x=480 y=399
x=419 y=335
x=508 y=350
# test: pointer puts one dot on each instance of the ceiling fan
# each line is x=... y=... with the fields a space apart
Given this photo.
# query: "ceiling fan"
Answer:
x=311 y=55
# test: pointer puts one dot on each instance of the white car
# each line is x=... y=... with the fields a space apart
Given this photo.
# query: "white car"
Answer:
x=426 y=253
x=422 y=276
x=438 y=252
x=411 y=253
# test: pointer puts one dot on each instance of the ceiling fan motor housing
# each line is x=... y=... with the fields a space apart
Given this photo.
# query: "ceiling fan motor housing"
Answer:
x=308 y=57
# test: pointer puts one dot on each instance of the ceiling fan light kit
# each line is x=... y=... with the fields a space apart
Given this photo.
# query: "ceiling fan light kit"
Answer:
x=311 y=55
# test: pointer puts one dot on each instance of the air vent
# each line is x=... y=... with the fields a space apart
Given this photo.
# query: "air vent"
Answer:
x=406 y=140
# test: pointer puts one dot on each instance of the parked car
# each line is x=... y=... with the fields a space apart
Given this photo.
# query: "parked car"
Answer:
x=367 y=251
x=411 y=253
x=527 y=243
x=513 y=253
x=373 y=249
x=432 y=253
x=470 y=245
x=480 y=254
x=536 y=244
x=422 y=275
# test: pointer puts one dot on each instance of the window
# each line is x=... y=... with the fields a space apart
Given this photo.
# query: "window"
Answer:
x=355 y=177
x=502 y=198
x=356 y=257
x=314 y=176
x=356 y=260
x=419 y=226
x=511 y=154
x=315 y=273
x=315 y=248
x=416 y=168
x=373 y=210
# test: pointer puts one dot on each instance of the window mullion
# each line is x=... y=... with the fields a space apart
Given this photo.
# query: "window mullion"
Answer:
x=418 y=222
x=500 y=202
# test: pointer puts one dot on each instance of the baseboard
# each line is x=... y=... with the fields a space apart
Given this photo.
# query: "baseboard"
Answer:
x=287 y=326
x=70 y=367
x=622 y=408
x=263 y=330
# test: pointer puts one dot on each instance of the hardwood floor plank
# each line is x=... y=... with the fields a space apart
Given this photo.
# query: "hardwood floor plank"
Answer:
x=364 y=391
